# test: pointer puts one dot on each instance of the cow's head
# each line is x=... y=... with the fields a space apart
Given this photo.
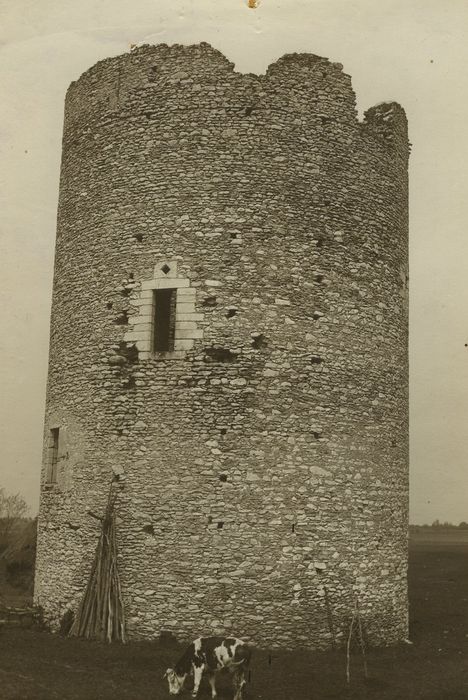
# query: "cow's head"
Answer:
x=176 y=682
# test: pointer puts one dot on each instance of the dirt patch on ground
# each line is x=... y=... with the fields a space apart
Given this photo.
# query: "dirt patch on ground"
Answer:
x=36 y=665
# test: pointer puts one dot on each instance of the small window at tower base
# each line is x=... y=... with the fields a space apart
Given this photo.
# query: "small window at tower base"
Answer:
x=164 y=315
x=51 y=476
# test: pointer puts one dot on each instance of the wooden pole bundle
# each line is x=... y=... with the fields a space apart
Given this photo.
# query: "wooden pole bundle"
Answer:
x=101 y=612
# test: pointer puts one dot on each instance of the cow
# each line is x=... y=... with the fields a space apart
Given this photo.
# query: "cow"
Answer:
x=210 y=655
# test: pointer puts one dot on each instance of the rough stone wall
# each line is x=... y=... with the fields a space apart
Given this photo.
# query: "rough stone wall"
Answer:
x=265 y=463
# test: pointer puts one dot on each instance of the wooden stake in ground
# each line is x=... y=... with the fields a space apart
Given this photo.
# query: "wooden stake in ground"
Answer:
x=356 y=617
x=361 y=639
x=348 y=648
x=331 y=626
x=101 y=612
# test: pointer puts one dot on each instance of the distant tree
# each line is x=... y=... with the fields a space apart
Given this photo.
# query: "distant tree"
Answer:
x=445 y=524
x=13 y=508
x=463 y=525
x=20 y=554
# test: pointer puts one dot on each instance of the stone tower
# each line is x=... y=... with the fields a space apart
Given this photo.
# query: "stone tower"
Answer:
x=229 y=337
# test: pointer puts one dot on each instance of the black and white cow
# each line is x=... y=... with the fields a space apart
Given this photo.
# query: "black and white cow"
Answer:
x=210 y=655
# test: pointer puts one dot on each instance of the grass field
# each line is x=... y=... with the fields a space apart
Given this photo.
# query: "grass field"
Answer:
x=36 y=665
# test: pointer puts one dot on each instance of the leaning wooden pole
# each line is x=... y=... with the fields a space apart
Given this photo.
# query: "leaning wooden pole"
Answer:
x=101 y=613
x=362 y=641
x=348 y=648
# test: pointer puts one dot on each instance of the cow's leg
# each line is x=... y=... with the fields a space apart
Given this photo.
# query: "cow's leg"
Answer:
x=212 y=681
x=197 y=676
x=239 y=683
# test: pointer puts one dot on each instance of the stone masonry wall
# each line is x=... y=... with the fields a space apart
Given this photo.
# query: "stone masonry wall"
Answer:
x=263 y=463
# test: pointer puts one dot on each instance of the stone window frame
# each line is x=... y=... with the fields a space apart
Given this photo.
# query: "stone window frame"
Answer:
x=186 y=320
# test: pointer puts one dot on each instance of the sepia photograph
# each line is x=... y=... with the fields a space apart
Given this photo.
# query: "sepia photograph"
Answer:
x=234 y=358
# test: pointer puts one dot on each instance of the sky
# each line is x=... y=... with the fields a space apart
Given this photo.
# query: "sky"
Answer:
x=411 y=51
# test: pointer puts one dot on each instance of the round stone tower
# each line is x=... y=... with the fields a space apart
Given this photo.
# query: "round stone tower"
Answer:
x=229 y=339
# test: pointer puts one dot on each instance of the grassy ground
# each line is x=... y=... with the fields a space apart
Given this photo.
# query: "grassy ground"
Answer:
x=38 y=666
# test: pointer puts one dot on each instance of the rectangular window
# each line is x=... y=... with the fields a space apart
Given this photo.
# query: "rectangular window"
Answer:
x=164 y=313
x=53 y=456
